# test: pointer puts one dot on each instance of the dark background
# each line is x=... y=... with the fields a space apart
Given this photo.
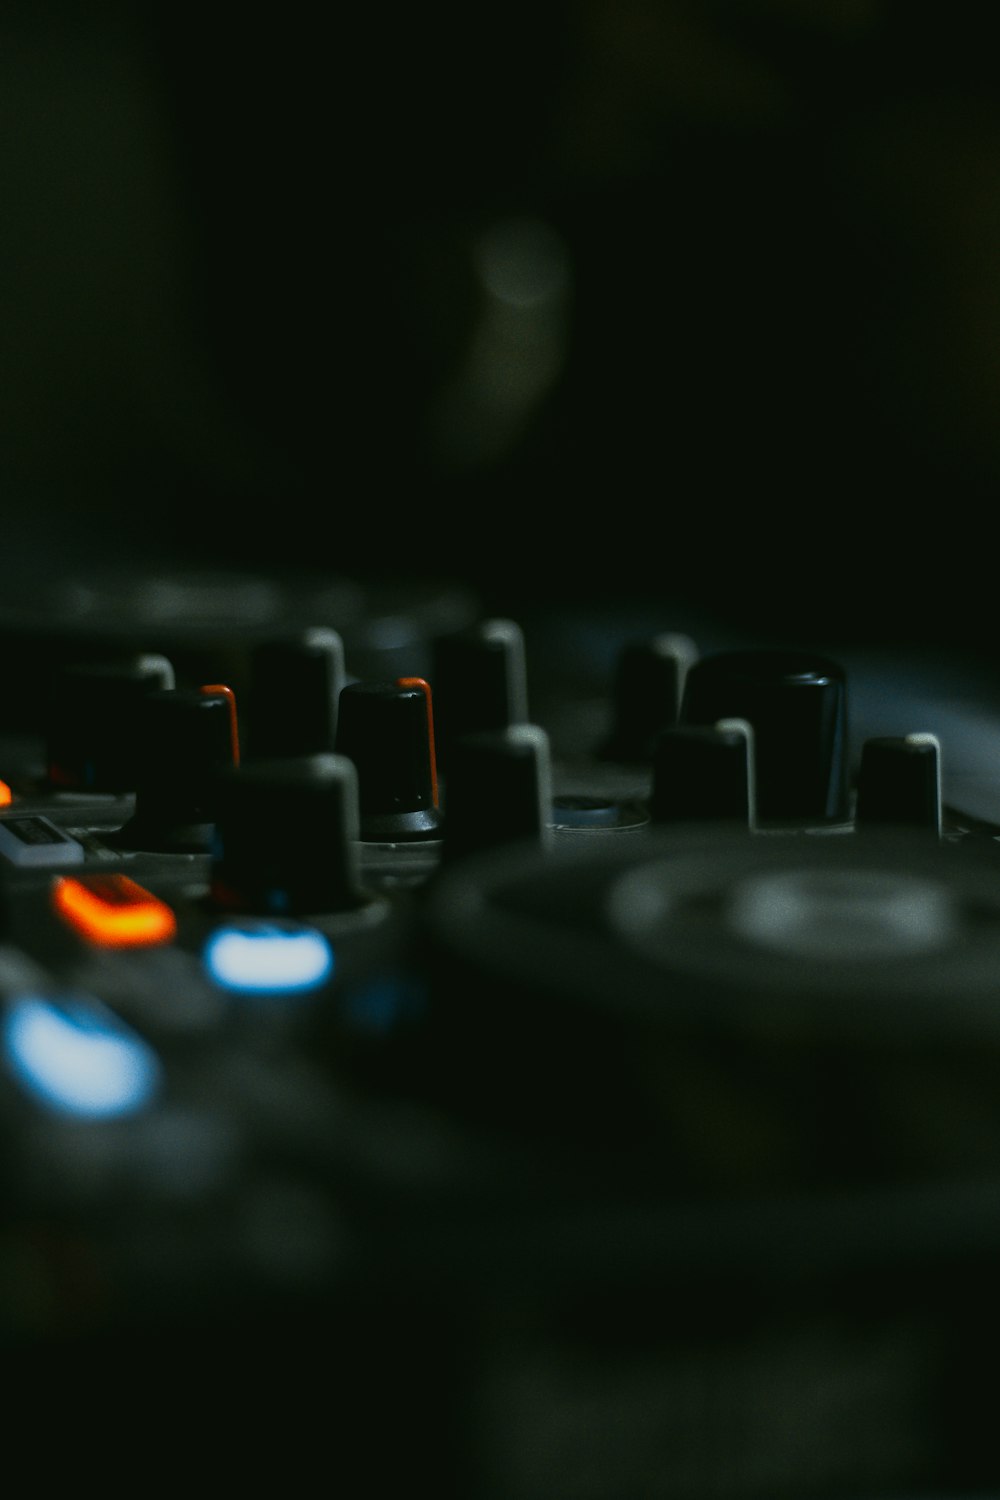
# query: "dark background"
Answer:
x=697 y=301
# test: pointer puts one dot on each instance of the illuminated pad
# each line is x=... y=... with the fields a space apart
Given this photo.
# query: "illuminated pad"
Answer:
x=77 y=1058
x=268 y=958
x=112 y=911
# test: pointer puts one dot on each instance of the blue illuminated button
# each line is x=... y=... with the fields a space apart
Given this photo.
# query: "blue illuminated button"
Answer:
x=77 y=1058
x=268 y=957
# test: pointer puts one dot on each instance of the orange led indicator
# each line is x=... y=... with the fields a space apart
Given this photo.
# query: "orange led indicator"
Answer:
x=425 y=688
x=230 y=697
x=112 y=911
x=6 y=795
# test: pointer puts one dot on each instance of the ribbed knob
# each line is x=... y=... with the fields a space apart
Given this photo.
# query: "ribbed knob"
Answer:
x=899 y=782
x=480 y=682
x=295 y=687
x=384 y=729
x=499 y=790
x=93 y=721
x=286 y=837
x=797 y=706
x=704 y=773
x=648 y=690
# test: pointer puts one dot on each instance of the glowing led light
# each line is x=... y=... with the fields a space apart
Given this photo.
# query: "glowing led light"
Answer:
x=78 y=1059
x=268 y=958
x=112 y=911
x=6 y=795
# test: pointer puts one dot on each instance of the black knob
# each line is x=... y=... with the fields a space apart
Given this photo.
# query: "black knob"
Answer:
x=187 y=735
x=93 y=721
x=385 y=729
x=295 y=687
x=480 y=682
x=499 y=790
x=647 y=694
x=286 y=837
x=899 y=782
x=797 y=706
x=704 y=772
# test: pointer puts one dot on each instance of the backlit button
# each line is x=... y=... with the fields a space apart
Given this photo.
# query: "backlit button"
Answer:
x=268 y=958
x=76 y=1058
x=112 y=911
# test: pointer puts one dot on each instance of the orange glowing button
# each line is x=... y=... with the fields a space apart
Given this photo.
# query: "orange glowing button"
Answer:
x=6 y=795
x=112 y=911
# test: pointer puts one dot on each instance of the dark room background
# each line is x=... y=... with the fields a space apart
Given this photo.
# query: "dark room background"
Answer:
x=691 y=300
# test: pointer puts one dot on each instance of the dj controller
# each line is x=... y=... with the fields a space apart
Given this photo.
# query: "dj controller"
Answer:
x=539 y=1055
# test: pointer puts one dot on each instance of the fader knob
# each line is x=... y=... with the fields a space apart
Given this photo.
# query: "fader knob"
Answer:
x=899 y=782
x=499 y=790
x=385 y=729
x=704 y=773
x=187 y=735
x=93 y=721
x=295 y=687
x=286 y=837
x=797 y=706
x=648 y=689
x=480 y=682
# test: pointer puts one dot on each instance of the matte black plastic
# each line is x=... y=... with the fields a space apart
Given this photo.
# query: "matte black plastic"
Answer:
x=383 y=729
x=702 y=773
x=295 y=687
x=797 y=706
x=478 y=677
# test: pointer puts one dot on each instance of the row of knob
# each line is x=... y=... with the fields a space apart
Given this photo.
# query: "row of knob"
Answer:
x=751 y=736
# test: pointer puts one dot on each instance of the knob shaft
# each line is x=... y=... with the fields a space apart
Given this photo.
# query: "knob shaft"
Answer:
x=704 y=772
x=480 y=682
x=797 y=706
x=499 y=790
x=899 y=782
x=286 y=837
x=648 y=690
x=384 y=729
x=94 y=718
x=186 y=738
x=295 y=687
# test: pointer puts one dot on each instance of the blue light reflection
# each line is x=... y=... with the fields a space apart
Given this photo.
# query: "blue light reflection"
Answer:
x=77 y=1058
x=268 y=958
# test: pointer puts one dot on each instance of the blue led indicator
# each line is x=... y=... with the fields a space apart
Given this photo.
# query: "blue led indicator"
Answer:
x=268 y=958
x=78 y=1059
